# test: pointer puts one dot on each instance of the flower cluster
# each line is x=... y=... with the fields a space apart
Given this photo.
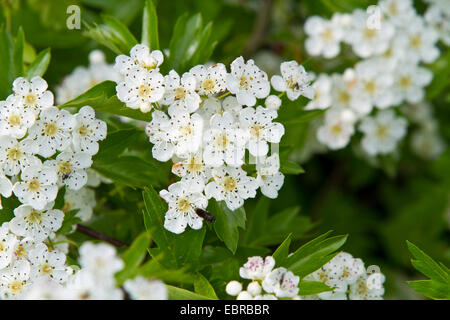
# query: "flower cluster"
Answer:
x=366 y=97
x=266 y=283
x=349 y=279
x=42 y=149
x=205 y=121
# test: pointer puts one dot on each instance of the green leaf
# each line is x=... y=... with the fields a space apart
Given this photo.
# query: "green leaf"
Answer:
x=203 y=287
x=178 y=249
x=289 y=167
x=307 y=288
x=8 y=61
x=39 y=65
x=256 y=224
x=102 y=98
x=150 y=26
x=280 y=255
x=112 y=34
x=70 y=219
x=154 y=269
x=314 y=254
x=431 y=289
x=227 y=223
x=183 y=294
x=115 y=143
x=295 y=116
x=427 y=265
x=133 y=257
x=19 y=45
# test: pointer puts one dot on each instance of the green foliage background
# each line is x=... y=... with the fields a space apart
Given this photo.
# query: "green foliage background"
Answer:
x=379 y=206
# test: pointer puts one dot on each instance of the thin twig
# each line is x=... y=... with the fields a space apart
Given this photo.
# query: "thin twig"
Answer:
x=100 y=236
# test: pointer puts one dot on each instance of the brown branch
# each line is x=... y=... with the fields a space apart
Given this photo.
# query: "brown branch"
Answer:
x=259 y=28
x=100 y=236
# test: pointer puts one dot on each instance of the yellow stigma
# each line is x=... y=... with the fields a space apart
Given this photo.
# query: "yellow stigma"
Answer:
x=14 y=154
x=369 y=33
x=34 y=185
x=14 y=120
x=82 y=131
x=30 y=99
x=15 y=287
x=229 y=184
x=327 y=34
x=382 y=132
x=416 y=41
x=149 y=66
x=221 y=141
x=144 y=91
x=244 y=82
x=186 y=131
x=344 y=97
x=35 y=217
x=370 y=86
x=194 y=165
x=208 y=85
x=336 y=129
x=404 y=82
x=184 y=205
x=20 y=252
x=50 y=129
x=64 y=167
x=256 y=131
x=46 y=268
x=180 y=94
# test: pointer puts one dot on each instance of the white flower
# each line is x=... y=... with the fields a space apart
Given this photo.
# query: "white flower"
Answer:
x=427 y=144
x=230 y=104
x=14 y=279
x=36 y=224
x=71 y=168
x=192 y=168
x=210 y=79
x=247 y=82
x=367 y=41
x=180 y=92
x=37 y=187
x=15 y=119
x=282 y=282
x=100 y=259
x=398 y=11
x=88 y=131
x=269 y=178
x=52 y=131
x=368 y=287
x=186 y=132
x=5 y=186
x=409 y=83
x=88 y=285
x=158 y=131
x=208 y=108
x=183 y=199
x=261 y=129
x=273 y=102
x=16 y=156
x=224 y=142
x=34 y=94
x=322 y=93
x=140 y=89
x=44 y=288
x=338 y=128
x=324 y=36
x=7 y=245
x=83 y=200
x=382 y=132
x=293 y=80
x=140 y=58
x=254 y=288
x=233 y=288
x=48 y=264
x=141 y=288
x=439 y=19
x=419 y=41
x=22 y=248
x=352 y=268
x=232 y=185
x=257 y=268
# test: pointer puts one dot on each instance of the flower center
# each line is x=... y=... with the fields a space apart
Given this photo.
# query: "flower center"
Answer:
x=370 y=86
x=344 y=97
x=416 y=41
x=336 y=129
x=35 y=217
x=229 y=184
x=221 y=141
x=244 y=82
x=208 y=85
x=64 y=167
x=184 y=205
x=293 y=84
x=382 y=132
x=180 y=94
x=369 y=33
x=30 y=99
x=20 y=252
x=34 y=185
x=194 y=165
x=14 y=154
x=256 y=131
x=327 y=34
x=46 y=268
x=14 y=120
x=144 y=91
x=149 y=66
x=50 y=129
x=405 y=82
x=82 y=131
x=15 y=287
x=186 y=131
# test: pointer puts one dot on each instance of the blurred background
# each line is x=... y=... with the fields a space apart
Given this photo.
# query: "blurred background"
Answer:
x=379 y=204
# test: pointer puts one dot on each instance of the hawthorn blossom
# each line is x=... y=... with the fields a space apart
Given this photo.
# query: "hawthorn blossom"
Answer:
x=337 y=129
x=272 y=102
x=232 y=185
x=257 y=268
x=36 y=224
x=46 y=263
x=186 y=132
x=15 y=119
x=141 y=288
x=183 y=199
x=17 y=155
x=14 y=279
x=141 y=59
x=322 y=90
x=88 y=131
x=282 y=282
x=192 y=168
x=324 y=36
x=7 y=244
x=158 y=131
x=247 y=82
x=261 y=129
x=52 y=131
x=293 y=80
x=82 y=200
x=210 y=79
x=382 y=132
x=180 y=92
x=269 y=178
x=37 y=187
x=409 y=83
x=398 y=11
x=33 y=93
x=368 y=287
x=99 y=259
x=5 y=186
